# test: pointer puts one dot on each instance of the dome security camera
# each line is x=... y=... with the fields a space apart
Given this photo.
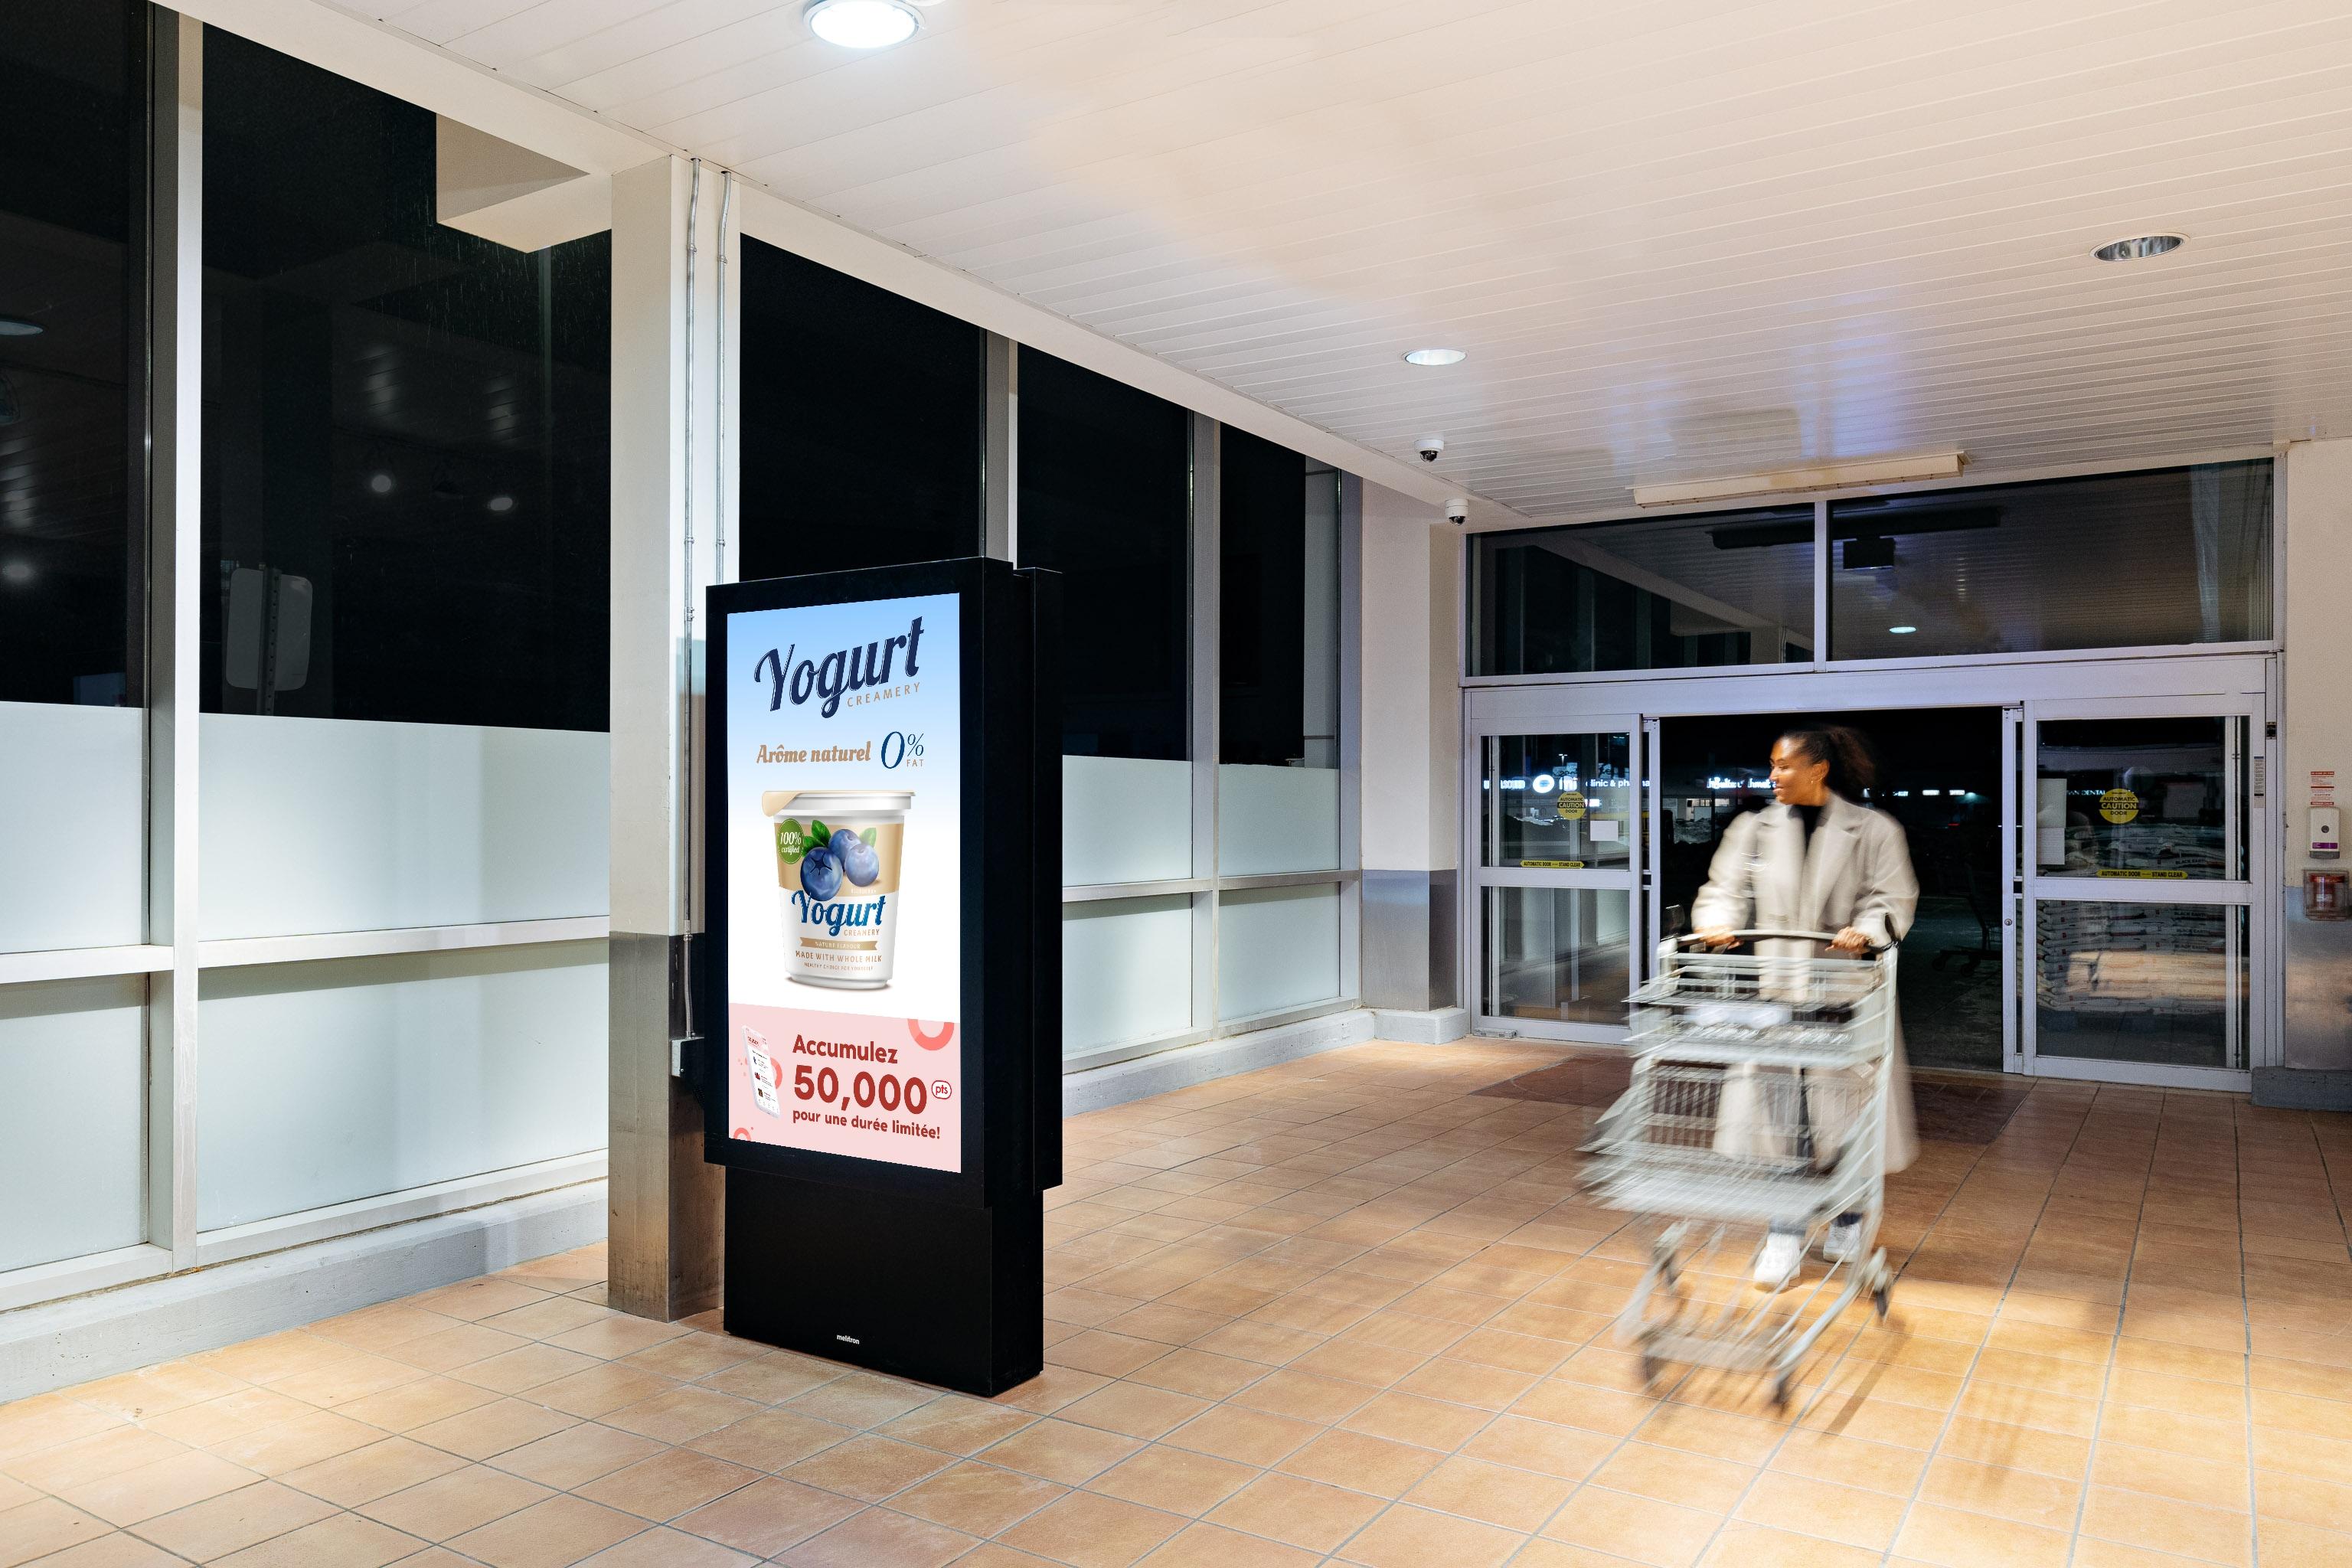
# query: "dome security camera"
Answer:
x=1428 y=447
x=1457 y=511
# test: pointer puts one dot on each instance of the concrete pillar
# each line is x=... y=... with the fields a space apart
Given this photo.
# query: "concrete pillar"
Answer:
x=2315 y=729
x=1411 y=720
x=666 y=1212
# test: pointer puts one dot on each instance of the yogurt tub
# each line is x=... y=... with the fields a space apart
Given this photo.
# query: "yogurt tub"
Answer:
x=837 y=861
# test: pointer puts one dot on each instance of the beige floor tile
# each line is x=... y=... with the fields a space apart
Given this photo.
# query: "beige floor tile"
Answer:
x=155 y=1390
x=1133 y=1410
x=575 y=1456
x=120 y=1550
x=339 y=1540
x=1567 y=1452
x=471 y=1301
x=1744 y=1546
x=127 y=1497
x=668 y=1483
x=493 y=1428
x=1175 y=1481
x=2285 y=1544
x=1409 y=1537
x=1954 y=1538
x=1297 y=1512
x=2153 y=1470
x=861 y=1399
x=1090 y=1532
x=524 y=1367
x=1853 y=1516
x=86 y=1460
x=417 y=1403
x=868 y=1468
x=679 y=1415
x=1669 y=1475
x=452 y=1504
x=2163 y=1524
x=665 y=1547
x=44 y=1525
x=1244 y=1435
x=772 y=1440
x=1664 y=1535
x=769 y=1379
x=458 y=1345
x=978 y=1498
x=617 y=1336
x=1214 y=1546
x=1501 y=1495
x=363 y=1475
x=695 y=1355
x=31 y=1426
x=876 y=1536
x=767 y=1516
x=1381 y=1466
x=956 y=1424
x=232 y=1522
x=554 y=1533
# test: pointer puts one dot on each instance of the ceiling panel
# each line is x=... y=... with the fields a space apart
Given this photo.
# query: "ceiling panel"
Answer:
x=1676 y=240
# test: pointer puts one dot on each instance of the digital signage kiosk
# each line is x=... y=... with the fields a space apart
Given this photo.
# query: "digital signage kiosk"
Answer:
x=883 y=852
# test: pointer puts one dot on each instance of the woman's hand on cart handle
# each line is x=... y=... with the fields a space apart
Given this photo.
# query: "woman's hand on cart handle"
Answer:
x=1718 y=936
x=1852 y=941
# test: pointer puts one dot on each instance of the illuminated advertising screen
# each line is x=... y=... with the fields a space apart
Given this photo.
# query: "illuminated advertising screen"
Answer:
x=843 y=816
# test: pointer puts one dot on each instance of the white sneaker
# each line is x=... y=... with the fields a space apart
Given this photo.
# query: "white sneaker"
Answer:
x=1844 y=1243
x=1778 y=1260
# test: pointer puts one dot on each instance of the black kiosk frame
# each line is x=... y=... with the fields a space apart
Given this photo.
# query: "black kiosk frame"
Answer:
x=935 y=1275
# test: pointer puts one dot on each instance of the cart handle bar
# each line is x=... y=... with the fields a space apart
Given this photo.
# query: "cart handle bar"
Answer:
x=1695 y=939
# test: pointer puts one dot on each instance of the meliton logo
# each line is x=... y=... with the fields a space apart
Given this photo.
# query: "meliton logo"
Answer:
x=838 y=673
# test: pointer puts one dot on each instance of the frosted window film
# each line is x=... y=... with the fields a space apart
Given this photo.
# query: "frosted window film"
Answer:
x=321 y=1083
x=1125 y=819
x=1276 y=819
x=1277 y=948
x=1126 y=972
x=72 y=826
x=73 y=1119
x=325 y=824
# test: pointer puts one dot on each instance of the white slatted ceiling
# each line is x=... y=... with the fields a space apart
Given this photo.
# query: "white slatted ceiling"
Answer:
x=1678 y=240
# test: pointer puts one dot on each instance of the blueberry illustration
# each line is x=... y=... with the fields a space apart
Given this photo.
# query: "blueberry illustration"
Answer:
x=858 y=861
x=820 y=874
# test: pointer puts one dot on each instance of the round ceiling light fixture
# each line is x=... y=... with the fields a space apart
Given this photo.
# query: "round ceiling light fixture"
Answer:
x=20 y=327
x=1435 y=356
x=2147 y=245
x=863 y=23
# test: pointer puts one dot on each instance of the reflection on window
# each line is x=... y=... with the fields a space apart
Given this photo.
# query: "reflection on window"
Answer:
x=2141 y=983
x=1278 y=586
x=2135 y=799
x=1105 y=499
x=406 y=469
x=73 y=121
x=1558 y=954
x=2162 y=558
x=1562 y=803
x=1728 y=588
x=863 y=415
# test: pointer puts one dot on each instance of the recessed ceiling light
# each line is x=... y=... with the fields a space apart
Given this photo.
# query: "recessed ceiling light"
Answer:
x=1435 y=356
x=380 y=483
x=2145 y=246
x=20 y=327
x=501 y=503
x=1903 y=631
x=863 y=23
x=17 y=572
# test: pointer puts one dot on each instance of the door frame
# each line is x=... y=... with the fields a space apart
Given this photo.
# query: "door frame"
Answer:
x=2245 y=681
x=2247 y=770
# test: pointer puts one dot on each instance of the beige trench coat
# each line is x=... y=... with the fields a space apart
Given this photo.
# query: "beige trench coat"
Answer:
x=1857 y=874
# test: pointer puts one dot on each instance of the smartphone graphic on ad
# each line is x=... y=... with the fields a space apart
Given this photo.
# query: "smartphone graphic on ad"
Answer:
x=763 y=1072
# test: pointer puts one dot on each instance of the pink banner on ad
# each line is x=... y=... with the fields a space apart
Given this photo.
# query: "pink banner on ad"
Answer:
x=843 y=1083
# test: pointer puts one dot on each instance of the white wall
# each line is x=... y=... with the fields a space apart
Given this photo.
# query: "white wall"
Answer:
x=1402 y=784
x=2315 y=729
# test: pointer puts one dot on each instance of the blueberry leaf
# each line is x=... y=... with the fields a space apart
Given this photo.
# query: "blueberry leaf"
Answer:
x=867 y=835
x=819 y=833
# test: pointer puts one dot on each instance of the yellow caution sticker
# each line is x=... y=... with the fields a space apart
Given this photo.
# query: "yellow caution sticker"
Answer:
x=1551 y=865
x=2119 y=806
x=1569 y=805
x=2148 y=876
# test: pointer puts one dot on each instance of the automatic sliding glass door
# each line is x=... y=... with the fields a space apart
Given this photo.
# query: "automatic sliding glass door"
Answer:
x=2139 y=929
x=1555 y=880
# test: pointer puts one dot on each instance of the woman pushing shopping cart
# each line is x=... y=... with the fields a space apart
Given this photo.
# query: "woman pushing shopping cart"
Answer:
x=1770 y=1098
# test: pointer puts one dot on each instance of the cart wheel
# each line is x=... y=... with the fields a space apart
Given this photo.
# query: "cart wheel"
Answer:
x=1878 y=1300
x=1670 y=1273
x=1780 y=1391
x=1651 y=1368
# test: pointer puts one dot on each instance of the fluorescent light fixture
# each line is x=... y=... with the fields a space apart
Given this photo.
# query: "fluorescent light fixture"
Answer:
x=1436 y=356
x=1814 y=477
x=1931 y=792
x=1903 y=631
x=20 y=327
x=863 y=23
x=2146 y=245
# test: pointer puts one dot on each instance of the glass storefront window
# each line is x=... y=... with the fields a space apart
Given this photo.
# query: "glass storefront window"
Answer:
x=2137 y=799
x=1105 y=499
x=1278 y=606
x=72 y=196
x=1725 y=589
x=1558 y=954
x=1560 y=803
x=863 y=423
x=2156 y=559
x=407 y=429
x=2159 y=984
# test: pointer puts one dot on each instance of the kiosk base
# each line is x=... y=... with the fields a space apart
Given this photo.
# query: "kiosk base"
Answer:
x=941 y=1293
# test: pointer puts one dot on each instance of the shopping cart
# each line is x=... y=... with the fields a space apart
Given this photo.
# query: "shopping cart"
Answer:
x=1758 y=1099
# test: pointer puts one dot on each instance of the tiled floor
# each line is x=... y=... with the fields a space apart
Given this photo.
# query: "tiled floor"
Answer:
x=1346 y=1310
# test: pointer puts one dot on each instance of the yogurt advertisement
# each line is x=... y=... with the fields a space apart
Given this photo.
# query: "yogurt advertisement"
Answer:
x=844 y=824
